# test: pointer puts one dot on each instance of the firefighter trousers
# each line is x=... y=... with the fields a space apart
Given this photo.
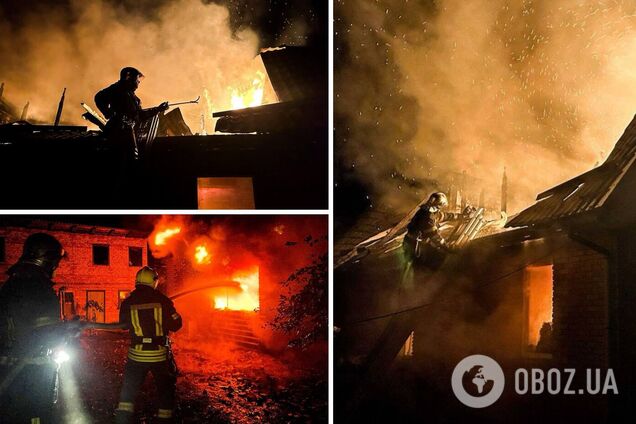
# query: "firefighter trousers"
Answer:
x=164 y=374
x=29 y=397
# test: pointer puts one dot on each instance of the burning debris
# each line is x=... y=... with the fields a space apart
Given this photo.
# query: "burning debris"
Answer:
x=231 y=280
x=529 y=295
x=274 y=121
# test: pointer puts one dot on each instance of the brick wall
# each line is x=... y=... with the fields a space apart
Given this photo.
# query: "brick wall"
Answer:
x=581 y=306
x=77 y=273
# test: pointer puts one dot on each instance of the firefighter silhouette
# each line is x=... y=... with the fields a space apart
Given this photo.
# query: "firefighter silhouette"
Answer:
x=423 y=244
x=149 y=316
x=121 y=106
x=30 y=329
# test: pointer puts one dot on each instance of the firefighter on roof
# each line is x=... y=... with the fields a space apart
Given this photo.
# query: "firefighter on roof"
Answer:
x=30 y=328
x=149 y=316
x=423 y=242
x=121 y=106
x=119 y=103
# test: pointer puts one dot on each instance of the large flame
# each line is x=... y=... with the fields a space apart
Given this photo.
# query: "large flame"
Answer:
x=162 y=236
x=249 y=96
x=244 y=300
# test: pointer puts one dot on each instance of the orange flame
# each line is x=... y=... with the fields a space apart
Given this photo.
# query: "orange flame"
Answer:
x=162 y=236
x=539 y=300
x=246 y=299
x=202 y=255
x=250 y=96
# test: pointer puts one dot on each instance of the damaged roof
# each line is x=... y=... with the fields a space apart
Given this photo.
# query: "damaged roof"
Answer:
x=586 y=192
x=296 y=73
x=44 y=225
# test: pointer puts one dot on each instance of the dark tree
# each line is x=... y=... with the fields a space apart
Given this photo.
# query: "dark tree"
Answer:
x=303 y=313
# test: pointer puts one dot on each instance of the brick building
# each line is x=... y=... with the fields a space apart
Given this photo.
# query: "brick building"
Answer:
x=557 y=290
x=98 y=272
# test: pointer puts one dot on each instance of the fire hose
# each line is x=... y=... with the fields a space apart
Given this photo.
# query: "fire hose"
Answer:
x=77 y=326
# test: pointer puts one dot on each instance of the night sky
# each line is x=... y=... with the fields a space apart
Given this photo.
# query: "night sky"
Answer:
x=269 y=18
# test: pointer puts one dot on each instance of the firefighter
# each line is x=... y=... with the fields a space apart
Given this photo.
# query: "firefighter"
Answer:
x=121 y=106
x=423 y=243
x=30 y=326
x=149 y=316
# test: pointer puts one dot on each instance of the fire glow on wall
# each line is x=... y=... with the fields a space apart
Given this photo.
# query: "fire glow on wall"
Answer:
x=538 y=295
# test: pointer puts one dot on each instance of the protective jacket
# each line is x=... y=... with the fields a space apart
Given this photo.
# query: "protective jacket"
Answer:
x=150 y=316
x=426 y=222
x=27 y=304
x=118 y=101
x=28 y=307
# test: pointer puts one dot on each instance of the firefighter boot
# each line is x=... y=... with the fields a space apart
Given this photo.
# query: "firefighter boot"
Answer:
x=124 y=413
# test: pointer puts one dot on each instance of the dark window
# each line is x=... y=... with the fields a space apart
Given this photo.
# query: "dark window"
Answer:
x=2 y=250
x=135 y=256
x=101 y=254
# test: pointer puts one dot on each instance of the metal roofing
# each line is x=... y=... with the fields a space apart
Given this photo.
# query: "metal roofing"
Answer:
x=296 y=73
x=586 y=192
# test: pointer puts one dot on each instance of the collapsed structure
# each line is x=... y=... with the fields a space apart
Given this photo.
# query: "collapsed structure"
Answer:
x=555 y=290
x=268 y=157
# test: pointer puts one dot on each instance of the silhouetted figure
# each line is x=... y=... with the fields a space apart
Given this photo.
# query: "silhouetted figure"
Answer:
x=122 y=108
x=120 y=105
x=30 y=327
x=545 y=338
x=423 y=243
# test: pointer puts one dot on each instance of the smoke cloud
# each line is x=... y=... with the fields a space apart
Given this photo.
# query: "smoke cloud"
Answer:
x=428 y=90
x=185 y=48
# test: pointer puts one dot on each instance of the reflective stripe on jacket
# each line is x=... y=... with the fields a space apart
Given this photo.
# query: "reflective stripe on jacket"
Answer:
x=149 y=316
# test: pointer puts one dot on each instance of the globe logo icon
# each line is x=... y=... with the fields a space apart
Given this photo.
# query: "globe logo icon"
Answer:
x=478 y=381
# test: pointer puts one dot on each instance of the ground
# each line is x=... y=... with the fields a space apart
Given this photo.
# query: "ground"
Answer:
x=217 y=384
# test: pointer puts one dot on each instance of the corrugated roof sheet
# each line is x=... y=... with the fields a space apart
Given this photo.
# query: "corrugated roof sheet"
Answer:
x=585 y=192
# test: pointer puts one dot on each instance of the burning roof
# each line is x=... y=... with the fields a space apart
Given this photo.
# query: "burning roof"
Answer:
x=299 y=79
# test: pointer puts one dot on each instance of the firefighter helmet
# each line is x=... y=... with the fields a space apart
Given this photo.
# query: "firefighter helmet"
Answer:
x=438 y=200
x=147 y=276
x=43 y=250
x=129 y=71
